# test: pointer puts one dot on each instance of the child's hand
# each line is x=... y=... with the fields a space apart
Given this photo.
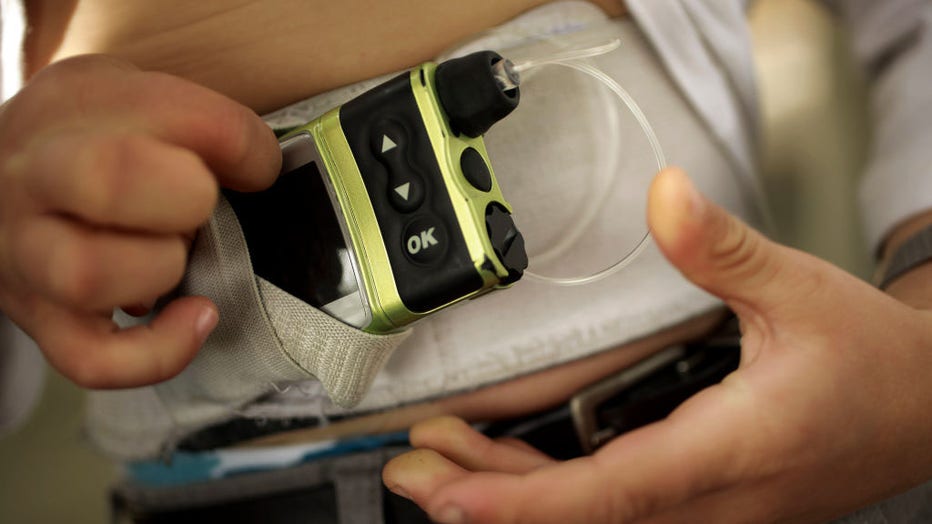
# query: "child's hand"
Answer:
x=105 y=174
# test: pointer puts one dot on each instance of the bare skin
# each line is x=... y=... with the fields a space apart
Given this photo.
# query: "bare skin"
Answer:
x=269 y=54
x=825 y=414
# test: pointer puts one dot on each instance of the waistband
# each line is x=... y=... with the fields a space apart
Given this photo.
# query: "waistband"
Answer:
x=634 y=397
x=339 y=481
x=346 y=488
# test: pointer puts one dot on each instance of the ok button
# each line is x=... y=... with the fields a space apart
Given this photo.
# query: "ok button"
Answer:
x=424 y=240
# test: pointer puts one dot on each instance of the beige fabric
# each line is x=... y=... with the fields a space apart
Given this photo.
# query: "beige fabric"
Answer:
x=265 y=340
x=345 y=360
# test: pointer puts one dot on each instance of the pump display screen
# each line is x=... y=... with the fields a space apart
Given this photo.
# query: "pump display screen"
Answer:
x=294 y=237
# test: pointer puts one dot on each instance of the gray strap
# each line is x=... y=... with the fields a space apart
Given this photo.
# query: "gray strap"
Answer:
x=344 y=359
x=265 y=336
x=916 y=251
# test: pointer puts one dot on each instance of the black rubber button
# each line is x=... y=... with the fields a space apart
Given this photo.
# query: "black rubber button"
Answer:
x=405 y=195
x=424 y=240
x=507 y=242
x=475 y=170
x=388 y=138
x=405 y=188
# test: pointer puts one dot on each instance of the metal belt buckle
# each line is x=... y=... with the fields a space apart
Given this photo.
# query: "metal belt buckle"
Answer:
x=585 y=404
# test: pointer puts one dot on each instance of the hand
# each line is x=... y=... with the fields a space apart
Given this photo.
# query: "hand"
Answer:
x=107 y=171
x=827 y=412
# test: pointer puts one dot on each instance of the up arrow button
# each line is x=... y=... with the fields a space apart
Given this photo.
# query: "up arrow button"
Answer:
x=388 y=144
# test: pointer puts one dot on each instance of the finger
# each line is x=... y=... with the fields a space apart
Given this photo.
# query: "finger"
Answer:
x=723 y=255
x=94 y=353
x=637 y=475
x=456 y=440
x=140 y=309
x=240 y=148
x=414 y=475
x=118 y=179
x=236 y=144
x=92 y=269
x=522 y=446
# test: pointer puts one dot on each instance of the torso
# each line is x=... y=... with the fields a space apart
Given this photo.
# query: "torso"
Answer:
x=257 y=53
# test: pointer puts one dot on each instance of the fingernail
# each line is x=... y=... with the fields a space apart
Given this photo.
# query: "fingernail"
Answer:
x=451 y=515
x=205 y=323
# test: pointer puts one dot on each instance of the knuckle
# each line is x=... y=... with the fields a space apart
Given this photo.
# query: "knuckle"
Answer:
x=172 y=269
x=737 y=249
x=239 y=147
x=224 y=124
x=26 y=258
x=103 y=183
x=238 y=141
x=75 y=271
x=77 y=363
x=435 y=430
x=201 y=188
x=622 y=507
x=234 y=138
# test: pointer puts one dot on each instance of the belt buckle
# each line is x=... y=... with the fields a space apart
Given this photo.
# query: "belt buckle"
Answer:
x=584 y=405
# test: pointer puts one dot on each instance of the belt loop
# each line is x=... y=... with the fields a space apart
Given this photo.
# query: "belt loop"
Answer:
x=358 y=485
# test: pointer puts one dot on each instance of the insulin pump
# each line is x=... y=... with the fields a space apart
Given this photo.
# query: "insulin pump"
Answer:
x=387 y=208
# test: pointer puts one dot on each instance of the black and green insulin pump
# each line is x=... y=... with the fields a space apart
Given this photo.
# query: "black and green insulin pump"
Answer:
x=387 y=208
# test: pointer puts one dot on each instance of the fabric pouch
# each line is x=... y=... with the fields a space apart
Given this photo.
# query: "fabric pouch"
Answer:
x=265 y=339
x=265 y=336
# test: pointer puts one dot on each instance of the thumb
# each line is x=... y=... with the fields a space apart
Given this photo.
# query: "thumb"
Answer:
x=720 y=253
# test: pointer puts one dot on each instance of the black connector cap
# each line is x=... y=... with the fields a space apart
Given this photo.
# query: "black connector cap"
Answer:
x=473 y=93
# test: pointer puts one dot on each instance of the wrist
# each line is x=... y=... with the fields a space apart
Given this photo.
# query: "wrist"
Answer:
x=905 y=268
x=902 y=249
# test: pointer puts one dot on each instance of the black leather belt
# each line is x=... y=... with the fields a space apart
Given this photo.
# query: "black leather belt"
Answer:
x=644 y=393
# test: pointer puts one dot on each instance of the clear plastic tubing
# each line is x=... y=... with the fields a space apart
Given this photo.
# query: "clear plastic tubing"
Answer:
x=575 y=59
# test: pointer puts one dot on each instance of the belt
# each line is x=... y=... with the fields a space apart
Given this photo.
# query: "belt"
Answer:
x=637 y=396
x=317 y=504
x=644 y=393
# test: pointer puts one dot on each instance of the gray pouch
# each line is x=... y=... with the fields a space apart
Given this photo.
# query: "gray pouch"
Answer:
x=265 y=336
